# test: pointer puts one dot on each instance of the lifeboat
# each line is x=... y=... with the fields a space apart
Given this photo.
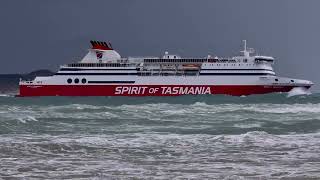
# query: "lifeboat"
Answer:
x=190 y=66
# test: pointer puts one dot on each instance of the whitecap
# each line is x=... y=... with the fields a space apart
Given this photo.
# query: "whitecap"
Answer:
x=202 y=104
x=5 y=95
x=286 y=108
x=21 y=120
x=32 y=118
x=247 y=126
x=298 y=91
x=176 y=112
x=24 y=119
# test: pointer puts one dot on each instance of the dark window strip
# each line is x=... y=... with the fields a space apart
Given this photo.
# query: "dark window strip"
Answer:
x=209 y=74
x=96 y=74
x=104 y=82
x=99 y=65
x=235 y=74
x=72 y=69
x=236 y=70
x=86 y=69
x=260 y=59
x=195 y=60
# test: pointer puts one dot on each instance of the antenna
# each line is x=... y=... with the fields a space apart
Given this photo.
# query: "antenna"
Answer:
x=245 y=45
x=246 y=51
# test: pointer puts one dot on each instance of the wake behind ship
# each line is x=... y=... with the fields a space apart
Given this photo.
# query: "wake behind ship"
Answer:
x=103 y=72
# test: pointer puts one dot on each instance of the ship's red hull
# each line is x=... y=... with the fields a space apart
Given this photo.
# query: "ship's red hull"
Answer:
x=148 y=90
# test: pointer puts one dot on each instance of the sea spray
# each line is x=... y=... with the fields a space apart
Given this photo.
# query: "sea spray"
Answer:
x=298 y=91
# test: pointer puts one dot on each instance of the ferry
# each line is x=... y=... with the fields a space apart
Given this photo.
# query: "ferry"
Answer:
x=103 y=72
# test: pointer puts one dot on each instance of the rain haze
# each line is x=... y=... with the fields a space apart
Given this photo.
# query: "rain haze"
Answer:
x=43 y=34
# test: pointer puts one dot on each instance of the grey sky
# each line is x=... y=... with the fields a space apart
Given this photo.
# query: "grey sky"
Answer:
x=43 y=34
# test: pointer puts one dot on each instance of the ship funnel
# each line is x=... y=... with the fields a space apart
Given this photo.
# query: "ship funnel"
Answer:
x=99 y=45
x=101 y=52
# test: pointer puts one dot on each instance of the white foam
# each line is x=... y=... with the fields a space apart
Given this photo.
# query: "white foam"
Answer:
x=200 y=104
x=246 y=126
x=286 y=108
x=253 y=155
x=32 y=118
x=298 y=91
x=5 y=95
x=26 y=118
x=198 y=111
x=75 y=106
x=176 y=112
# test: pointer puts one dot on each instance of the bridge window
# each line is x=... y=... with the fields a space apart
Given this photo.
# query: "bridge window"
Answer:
x=276 y=80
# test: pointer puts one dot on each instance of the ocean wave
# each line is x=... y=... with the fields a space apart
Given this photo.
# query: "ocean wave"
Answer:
x=74 y=107
x=284 y=108
x=205 y=137
x=252 y=138
x=259 y=138
x=277 y=98
x=171 y=155
x=265 y=108
x=198 y=110
x=199 y=117
x=276 y=142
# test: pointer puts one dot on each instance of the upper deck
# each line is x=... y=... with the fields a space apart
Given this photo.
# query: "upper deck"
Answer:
x=107 y=61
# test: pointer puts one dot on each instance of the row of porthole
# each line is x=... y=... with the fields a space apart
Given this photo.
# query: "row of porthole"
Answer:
x=290 y=80
x=76 y=80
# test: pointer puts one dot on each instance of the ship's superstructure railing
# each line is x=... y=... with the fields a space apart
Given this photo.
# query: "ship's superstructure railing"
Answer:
x=191 y=60
x=26 y=81
x=100 y=65
x=29 y=82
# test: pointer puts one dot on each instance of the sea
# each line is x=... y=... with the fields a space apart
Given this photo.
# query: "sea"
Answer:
x=273 y=136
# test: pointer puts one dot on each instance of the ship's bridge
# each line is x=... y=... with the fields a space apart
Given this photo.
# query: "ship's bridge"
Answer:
x=253 y=59
x=263 y=59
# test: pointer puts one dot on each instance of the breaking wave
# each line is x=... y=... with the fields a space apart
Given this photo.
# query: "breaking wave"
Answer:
x=298 y=91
